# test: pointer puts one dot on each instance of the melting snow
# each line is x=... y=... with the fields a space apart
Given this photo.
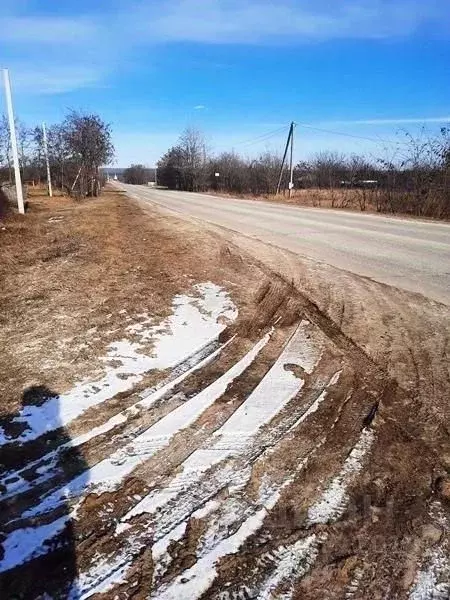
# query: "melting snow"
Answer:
x=196 y=320
x=433 y=582
x=293 y=562
x=274 y=391
x=333 y=501
x=196 y=580
x=109 y=472
x=15 y=484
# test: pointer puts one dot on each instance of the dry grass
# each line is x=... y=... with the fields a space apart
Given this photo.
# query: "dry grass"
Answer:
x=326 y=198
x=74 y=274
x=375 y=201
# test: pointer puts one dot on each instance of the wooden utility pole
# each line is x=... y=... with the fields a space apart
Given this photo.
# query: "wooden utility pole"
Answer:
x=290 y=140
x=291 y=165
x=13 y=138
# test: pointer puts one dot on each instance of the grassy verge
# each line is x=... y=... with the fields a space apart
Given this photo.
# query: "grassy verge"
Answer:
x=74 y=274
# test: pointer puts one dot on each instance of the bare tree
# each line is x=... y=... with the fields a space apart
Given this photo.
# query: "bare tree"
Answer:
x=137 y=175
x=171 y=169
x=89 y=143
x=233 y=173
x=62 y=167
x=193 y=146
x=5 y=149
x=415 y=180
x=24 y=142
x=185 y=166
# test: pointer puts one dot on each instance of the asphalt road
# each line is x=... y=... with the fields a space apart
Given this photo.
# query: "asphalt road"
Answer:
x=409 y=254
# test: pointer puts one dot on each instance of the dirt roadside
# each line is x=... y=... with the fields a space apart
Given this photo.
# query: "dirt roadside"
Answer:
x=338 y=489
x=406 y=334
x=75 y=275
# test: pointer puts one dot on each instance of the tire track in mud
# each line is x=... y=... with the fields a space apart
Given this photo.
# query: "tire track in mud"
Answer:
x=266 y=559
x=175 y=516
x=195 y=498
x=108 y=474
x=228 y=468
x=432 y=581
x=239 y=499
x=48 y=468
x=281 y=561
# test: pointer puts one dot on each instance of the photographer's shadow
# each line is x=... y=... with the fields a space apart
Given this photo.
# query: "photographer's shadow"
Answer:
x=34 y=570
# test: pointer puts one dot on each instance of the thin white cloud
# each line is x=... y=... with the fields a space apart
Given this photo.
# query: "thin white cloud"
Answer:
x=200 y=107
x=48 y=80
x=288 y=21
x=93 y=46
x=400 y=121
x=53 y=55
x=48 y=30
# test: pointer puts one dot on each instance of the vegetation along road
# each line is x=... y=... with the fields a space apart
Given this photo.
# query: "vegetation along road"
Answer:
x=410 y=254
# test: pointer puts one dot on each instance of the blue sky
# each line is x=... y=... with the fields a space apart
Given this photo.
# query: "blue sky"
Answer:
x=236 y=69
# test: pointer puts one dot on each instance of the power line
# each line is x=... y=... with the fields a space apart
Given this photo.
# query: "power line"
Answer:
x=270 y=134
x=260 y=138
x=350 y=135
x=263 y=137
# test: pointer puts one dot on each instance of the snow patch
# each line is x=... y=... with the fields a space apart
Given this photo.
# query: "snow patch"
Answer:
x=333 y=501
x=107 y=474
x=433 y=579
x=433 y=582
x=24 y=544
x=275 y=390
x=15 y=484
x=293 y=563
x=196 y=581
x=196 y=320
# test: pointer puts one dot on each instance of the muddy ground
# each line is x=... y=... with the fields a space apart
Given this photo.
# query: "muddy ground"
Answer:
x=320 y=469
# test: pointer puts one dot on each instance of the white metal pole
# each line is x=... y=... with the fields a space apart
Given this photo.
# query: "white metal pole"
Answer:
x=12 y=133
x=49 y=179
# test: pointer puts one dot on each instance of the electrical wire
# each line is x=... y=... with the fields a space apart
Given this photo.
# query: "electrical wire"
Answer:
x=271 y=134
x=350 y=135
x=263 y=137
x=260 y=138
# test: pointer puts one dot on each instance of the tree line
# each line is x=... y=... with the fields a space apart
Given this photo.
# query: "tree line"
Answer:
x=412 y=177
x=138 y=174
x=77 y=148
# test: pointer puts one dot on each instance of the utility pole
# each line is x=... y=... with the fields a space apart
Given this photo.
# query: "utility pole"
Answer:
x=291 y=166
x=13 y=138
x=49 y=179
x=290 y=140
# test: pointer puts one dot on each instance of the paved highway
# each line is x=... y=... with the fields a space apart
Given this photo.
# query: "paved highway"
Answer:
x=409 y=254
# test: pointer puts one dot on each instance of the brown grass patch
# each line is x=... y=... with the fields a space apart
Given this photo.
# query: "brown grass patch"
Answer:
x=75 y=274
